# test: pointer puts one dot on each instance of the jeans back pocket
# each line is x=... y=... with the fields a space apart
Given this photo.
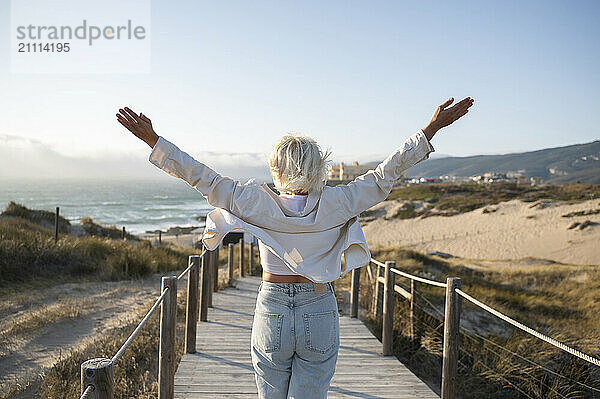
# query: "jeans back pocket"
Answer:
x=266 y=331
x=321 y=331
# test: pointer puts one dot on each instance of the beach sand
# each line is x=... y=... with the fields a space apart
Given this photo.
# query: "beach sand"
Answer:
x=96 y=306
x=184 y=240
x=508 y=230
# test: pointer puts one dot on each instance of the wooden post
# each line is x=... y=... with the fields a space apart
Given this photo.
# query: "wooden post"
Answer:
x=377 y=294
x=215 y=263
x=451 y=330
x=388 y=309
x=100 y=374
x=191 y=310
x=204 y=286
x=230 y=263
x=159 y=237
x=166 y=351
x=251 y=258
x=123 y=235
x=242 y=257
x=414 y=333
x=375 y=289
x=56 y=225
x=210 y=261
x=354 y=293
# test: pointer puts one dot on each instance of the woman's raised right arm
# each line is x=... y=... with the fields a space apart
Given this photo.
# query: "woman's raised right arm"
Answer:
x=220 y=191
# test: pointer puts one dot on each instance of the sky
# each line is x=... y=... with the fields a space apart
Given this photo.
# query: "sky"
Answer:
x=228 y=78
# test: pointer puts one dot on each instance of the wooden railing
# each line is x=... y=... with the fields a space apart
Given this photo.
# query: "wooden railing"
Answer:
x=384 y=290
x=97 y=375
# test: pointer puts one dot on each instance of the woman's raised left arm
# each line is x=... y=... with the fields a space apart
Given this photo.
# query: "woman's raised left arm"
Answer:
x=375 y=185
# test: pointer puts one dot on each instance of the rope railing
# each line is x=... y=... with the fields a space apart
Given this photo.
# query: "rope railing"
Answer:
x=88 y=391
x=97 y=375
x=183 y=273
x=139 y=327
x=378 y=263
x=207 y=281
x=420 y=279
x=384 y=291
x=472 y=335
x=467 y=334
x=99 y=372
x=410 y=276
x=530 y=330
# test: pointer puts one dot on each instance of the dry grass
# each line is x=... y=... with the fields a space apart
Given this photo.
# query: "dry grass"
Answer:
x=582 y=213
x=451 y=199
x=135 y=374
x=39 y=217
x=136 y=371
x=95 y=229
x=559 y=300
x=29 y=255
x=30 y=260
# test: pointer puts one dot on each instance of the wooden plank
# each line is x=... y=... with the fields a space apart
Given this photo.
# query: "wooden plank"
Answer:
x=222 y=366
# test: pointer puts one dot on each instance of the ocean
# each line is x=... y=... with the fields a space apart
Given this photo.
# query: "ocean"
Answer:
x=139 y=205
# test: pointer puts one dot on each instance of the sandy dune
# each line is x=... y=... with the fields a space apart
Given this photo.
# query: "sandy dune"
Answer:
x=100 y=305
x=184 y=240
x=506 y=231
x=509 y=230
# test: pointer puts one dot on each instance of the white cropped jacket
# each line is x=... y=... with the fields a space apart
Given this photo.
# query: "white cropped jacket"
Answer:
x=310 y=242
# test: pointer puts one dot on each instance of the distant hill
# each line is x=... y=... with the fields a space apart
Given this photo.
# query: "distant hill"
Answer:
x=579 y=162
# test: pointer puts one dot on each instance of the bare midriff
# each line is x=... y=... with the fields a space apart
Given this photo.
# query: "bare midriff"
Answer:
x=284 y=278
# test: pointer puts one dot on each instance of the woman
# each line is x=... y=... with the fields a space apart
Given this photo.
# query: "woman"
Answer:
x=302 y=232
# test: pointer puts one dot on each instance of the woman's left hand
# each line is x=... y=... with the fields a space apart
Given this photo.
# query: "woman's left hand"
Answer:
x=444 y=116
x=139 y=125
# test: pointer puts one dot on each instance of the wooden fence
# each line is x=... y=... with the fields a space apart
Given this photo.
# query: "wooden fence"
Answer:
x=383 y=279
x=384 y=290
x=97 y=375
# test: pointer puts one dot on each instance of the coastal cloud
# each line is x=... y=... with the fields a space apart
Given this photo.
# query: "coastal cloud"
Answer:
x=23 y=157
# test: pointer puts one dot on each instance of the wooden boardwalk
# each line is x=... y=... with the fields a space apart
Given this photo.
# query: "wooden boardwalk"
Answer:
x=222 y=368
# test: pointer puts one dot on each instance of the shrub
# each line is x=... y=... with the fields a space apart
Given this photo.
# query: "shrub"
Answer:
x=40 y=217
x=28 y=252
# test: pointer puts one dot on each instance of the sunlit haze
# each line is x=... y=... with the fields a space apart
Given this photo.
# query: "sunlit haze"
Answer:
x=229 y=78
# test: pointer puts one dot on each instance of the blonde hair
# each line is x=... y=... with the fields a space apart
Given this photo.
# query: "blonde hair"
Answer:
x=298 y=164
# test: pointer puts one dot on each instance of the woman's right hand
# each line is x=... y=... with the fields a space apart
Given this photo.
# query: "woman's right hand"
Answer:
x=139 y=125
x=444 y=116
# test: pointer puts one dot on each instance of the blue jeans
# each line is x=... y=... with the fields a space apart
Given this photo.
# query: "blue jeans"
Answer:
x=295 y=340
